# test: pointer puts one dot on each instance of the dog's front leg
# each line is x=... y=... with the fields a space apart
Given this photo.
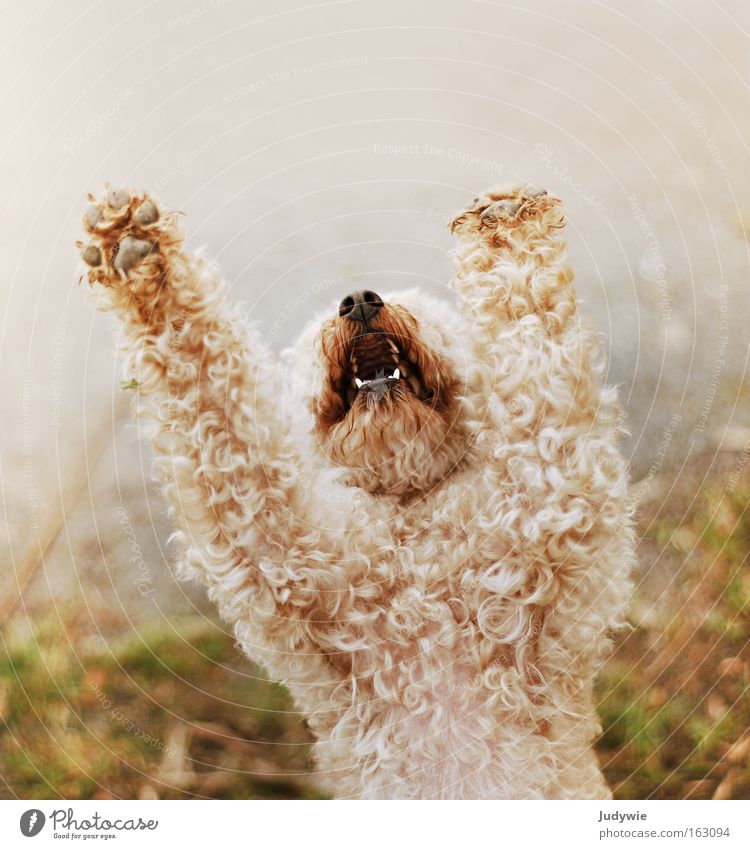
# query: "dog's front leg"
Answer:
x=553 y=483
x=226 y=464
x=548 y=425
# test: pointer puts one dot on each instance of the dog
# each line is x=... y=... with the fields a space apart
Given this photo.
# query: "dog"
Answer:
x=417 y=518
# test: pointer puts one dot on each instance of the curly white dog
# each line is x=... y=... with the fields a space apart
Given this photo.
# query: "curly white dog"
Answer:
x=425 y=531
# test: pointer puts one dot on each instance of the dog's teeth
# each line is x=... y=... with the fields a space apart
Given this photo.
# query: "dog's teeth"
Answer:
x=359 y=382
x=396 y=374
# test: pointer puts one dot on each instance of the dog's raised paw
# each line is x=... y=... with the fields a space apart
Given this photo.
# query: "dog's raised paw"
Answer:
x=500 y=210
x=123 y=230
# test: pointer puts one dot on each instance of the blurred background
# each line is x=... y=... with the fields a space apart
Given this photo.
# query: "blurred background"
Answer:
x=316 y=148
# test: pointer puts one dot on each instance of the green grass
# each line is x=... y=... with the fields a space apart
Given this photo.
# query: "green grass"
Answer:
x=675 y=699
x=100 y=726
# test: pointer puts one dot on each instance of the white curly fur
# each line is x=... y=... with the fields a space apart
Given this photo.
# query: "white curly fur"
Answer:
x=441 y=636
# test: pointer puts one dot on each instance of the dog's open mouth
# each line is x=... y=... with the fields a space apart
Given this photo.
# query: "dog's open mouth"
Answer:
x=379 y=365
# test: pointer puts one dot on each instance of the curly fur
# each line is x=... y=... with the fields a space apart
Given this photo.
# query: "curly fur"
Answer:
x=432 y=573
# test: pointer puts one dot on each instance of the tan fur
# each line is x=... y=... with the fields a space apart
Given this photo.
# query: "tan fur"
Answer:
x=432 y=574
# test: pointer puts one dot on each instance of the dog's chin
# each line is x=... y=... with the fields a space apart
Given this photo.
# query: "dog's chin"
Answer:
x=392 y=442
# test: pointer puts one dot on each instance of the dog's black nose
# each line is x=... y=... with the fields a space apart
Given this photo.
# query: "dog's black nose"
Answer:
x=360 y=306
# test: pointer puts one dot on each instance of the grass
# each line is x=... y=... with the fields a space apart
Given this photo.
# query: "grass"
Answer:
x=179 y=714
x=675 y=698
x=176 y=715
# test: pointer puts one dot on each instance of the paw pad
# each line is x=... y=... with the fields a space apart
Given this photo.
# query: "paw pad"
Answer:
x=117 y=198
x=493 y=214
x=131 y=251
x=92 y=256
x=92 y=216
x=146 y=214
x=499 y=210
